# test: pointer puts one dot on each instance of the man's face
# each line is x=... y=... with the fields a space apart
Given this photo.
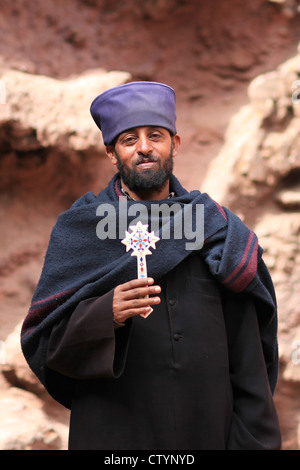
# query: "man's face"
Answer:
x=144 y=157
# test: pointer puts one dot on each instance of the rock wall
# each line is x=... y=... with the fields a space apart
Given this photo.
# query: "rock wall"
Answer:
x=234 y=112
x=261 y=157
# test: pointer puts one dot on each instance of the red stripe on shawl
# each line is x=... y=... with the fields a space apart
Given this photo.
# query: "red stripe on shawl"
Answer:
x=220 y=208
x=56 y=296
x=249 y=273
x=26 y=332
x=37 y=314
x=239 y=267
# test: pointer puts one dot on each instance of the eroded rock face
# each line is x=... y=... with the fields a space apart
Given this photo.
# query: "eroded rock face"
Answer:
x=50 y=112
x=26 y=426
x=261 y=155
x=51 y=152
x=30 y=419
x=261 y=151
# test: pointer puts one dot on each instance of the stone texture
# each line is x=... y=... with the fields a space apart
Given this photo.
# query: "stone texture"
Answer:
x=261 y=151
x=51 y=112
x=25 y=426
x=261 y=159
x=30 y=419
x=54 y=58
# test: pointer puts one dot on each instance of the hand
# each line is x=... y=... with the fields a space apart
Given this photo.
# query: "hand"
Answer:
x=130 y=298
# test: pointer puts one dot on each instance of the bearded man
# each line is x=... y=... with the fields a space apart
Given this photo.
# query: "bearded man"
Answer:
x=183 y=359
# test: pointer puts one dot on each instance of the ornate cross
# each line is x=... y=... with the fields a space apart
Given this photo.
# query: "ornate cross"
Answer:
x=140 y=240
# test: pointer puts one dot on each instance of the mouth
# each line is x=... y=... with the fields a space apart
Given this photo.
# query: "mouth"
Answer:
x=146 y=164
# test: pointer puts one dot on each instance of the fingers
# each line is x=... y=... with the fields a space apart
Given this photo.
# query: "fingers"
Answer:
x=139 y=288
x=135 y=283
x=132 y=298
x=136 y=307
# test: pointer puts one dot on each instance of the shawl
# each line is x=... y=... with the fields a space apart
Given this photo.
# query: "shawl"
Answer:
x=79 y=265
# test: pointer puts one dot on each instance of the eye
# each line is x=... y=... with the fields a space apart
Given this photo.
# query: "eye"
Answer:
x=129 y=140
x=155 y=135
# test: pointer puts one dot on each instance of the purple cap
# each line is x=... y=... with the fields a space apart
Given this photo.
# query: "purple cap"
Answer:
x=134 y=104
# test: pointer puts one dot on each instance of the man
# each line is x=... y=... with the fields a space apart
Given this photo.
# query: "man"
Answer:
x=199 y=371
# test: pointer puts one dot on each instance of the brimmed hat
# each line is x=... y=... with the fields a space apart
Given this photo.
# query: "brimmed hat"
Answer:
x=132 y=105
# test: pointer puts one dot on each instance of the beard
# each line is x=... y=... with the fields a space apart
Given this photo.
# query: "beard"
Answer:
x=146 y=179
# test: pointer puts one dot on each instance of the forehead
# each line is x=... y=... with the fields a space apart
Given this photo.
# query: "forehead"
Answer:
x=143 y=129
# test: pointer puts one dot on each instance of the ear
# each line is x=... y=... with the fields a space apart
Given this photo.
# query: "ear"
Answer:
x=176 y=141
x=110 y=152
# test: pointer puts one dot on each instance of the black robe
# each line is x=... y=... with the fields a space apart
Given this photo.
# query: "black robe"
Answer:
x=190 y=376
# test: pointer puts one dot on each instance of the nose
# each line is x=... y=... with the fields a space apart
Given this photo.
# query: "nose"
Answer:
x=144 y=145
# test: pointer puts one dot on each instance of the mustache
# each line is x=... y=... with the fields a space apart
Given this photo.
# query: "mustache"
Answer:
x=145 y=159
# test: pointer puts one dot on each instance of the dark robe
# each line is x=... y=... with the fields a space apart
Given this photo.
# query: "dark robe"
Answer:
x=79 y=265
x=190 y=376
